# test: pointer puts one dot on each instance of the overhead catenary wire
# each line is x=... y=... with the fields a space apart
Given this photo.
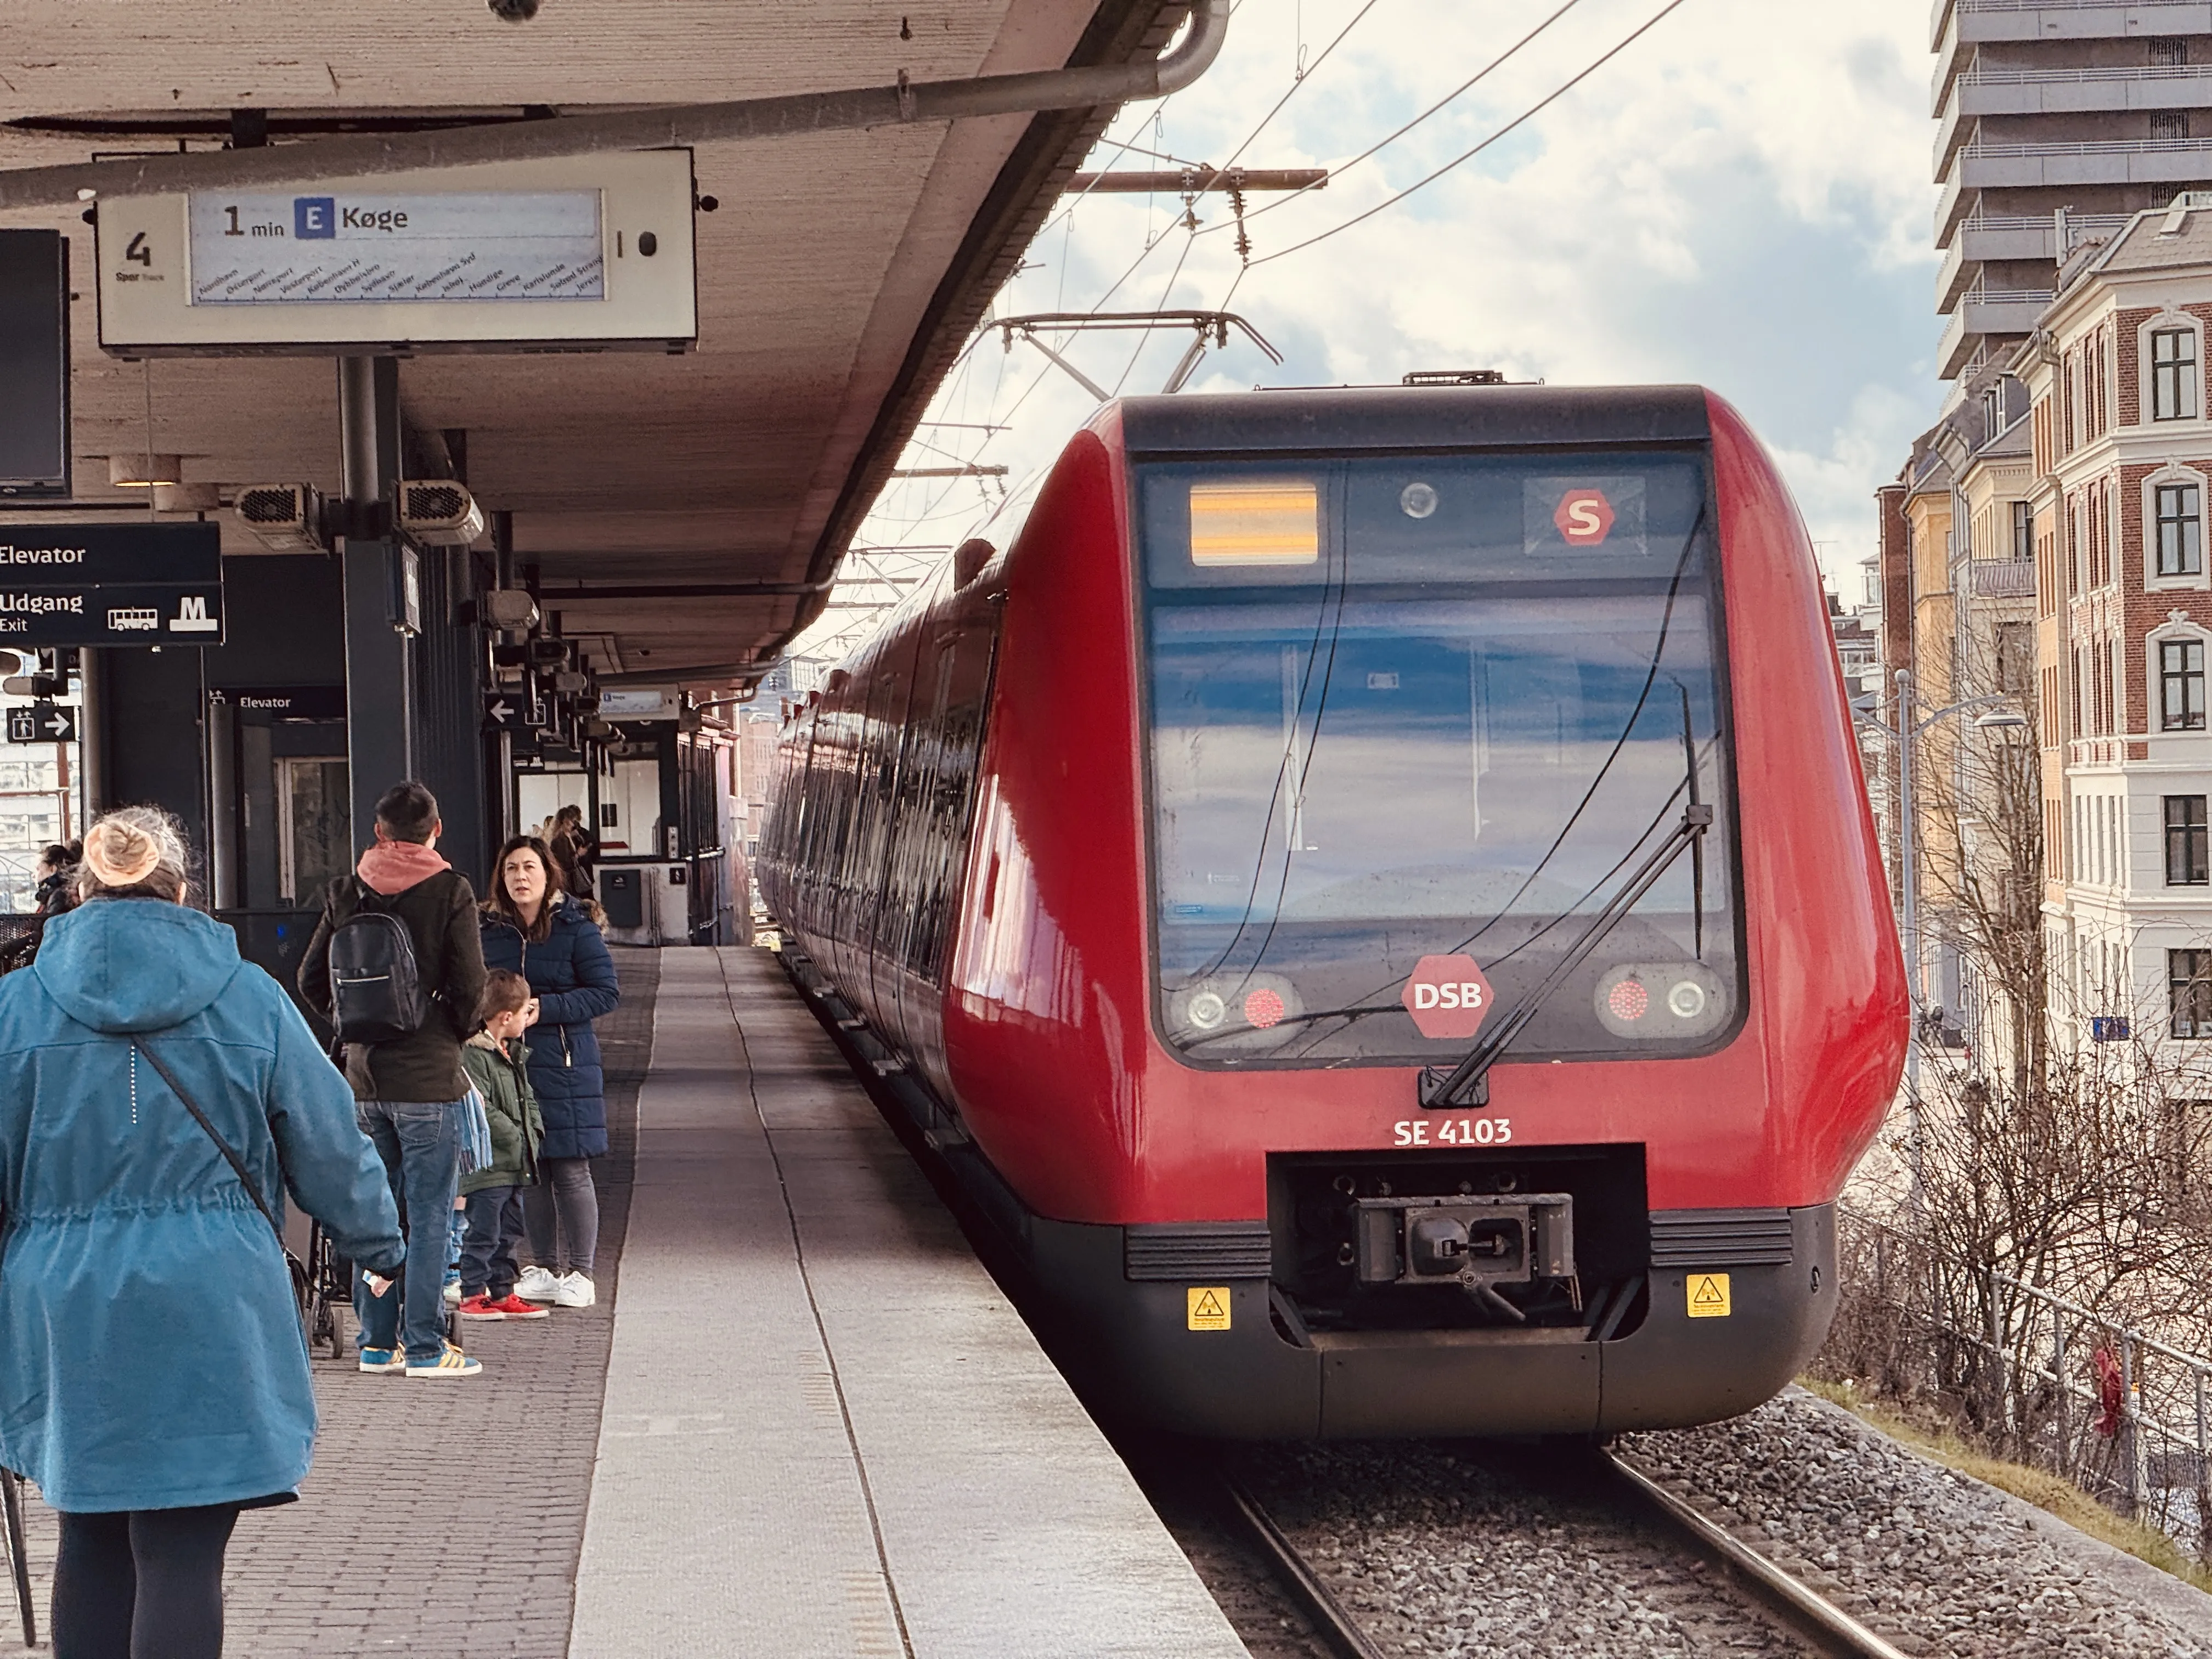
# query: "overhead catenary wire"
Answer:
x=1392 y=138
x=1519 y=121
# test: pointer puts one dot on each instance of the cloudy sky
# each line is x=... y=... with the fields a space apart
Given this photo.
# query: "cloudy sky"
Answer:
x=1742 y=198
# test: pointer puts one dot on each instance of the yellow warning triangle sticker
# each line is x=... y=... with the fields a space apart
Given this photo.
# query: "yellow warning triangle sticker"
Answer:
x=1209 y=1305
x=1709 y=1296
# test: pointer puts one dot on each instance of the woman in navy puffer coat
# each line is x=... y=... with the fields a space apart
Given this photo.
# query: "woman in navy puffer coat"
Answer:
x=532 y=928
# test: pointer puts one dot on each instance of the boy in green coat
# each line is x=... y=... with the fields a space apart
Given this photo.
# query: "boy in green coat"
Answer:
x=497 y=1064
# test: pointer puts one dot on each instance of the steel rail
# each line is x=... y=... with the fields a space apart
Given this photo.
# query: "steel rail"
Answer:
x=1330 y=1621
x=1804 y=1610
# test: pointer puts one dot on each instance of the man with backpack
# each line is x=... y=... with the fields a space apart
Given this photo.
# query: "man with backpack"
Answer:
x=396 y=966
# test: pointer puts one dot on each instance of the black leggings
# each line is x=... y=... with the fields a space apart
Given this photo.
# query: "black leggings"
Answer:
x=142 y=1584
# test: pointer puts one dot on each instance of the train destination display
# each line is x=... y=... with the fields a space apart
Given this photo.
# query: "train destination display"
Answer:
x=588 y=252
x=466 y=246
x=137 y=583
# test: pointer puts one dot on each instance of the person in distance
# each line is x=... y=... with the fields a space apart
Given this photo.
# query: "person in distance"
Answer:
x=532 y=927
x=572 y=851
x=159 y=1100
x=498 y=1065
x=410 y=1088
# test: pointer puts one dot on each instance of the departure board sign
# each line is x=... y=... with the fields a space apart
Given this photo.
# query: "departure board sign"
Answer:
x=587 y=252
x=474 y=248
x=111 y=584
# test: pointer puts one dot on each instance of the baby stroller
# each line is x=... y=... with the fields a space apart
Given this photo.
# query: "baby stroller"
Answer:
x=19 y=1565
x=324 y=1284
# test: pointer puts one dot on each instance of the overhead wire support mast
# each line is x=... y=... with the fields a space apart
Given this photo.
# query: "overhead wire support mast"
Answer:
x=1190 y=181
x=669 y=127
x=1211 y=326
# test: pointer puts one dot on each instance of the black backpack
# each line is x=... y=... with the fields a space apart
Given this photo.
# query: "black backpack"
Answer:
x=376 y=988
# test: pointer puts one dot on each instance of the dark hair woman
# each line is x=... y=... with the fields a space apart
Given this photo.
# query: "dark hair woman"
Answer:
x=532 y=927
x=158 y=1099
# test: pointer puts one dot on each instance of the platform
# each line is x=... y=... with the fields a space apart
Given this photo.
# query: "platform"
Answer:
x=804 y=1420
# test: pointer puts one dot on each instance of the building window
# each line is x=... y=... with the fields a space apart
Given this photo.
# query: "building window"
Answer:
x=2023 y=530
x=2015 y=643
x=2180 y=530
x=2189 y=992
x=2174 y=374
x=2187 y=863
x=2181 y=677
x=2169 y=51
x=2169 y=123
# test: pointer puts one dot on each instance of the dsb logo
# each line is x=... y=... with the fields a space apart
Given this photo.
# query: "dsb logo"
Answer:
x=1465 y=995
x=1447 y=996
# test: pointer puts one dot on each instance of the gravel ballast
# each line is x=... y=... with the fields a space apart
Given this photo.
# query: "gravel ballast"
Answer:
x=1448 y=1548
x=1936 y=1562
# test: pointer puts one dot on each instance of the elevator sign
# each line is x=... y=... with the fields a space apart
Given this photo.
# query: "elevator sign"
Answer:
x=109 y=584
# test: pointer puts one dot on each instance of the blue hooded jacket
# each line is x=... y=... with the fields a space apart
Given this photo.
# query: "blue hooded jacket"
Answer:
x=150 y=1349
x=572 y=973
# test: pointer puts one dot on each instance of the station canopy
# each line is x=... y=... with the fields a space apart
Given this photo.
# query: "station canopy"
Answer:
x=839 y=274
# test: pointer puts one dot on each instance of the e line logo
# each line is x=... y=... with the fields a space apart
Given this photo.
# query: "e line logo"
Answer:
x=314 y=217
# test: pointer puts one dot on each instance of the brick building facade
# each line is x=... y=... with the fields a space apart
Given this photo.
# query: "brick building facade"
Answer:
x=2123 y=463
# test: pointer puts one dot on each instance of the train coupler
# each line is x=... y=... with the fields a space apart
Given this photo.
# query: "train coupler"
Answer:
x=1473 y=1242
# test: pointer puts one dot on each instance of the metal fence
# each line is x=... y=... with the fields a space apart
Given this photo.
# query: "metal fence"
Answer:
x=2035 y=1376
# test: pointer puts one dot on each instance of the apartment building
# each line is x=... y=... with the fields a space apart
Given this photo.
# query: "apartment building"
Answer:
x=2123 y=457
x=2055 y=119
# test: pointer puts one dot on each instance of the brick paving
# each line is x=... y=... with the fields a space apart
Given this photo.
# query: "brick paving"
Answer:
x=444 y=1519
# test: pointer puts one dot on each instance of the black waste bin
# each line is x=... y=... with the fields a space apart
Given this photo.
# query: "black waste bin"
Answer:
x=622 y=895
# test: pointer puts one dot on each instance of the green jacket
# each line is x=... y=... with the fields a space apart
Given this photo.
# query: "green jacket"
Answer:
x=503 y=1077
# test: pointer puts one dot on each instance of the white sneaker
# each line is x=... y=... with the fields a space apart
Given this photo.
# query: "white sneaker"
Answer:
x=453 y=1294
x=538 y=1284
x=574 y=1290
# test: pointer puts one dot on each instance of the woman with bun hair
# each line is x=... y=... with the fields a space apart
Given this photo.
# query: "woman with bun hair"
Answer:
x=159 y=1100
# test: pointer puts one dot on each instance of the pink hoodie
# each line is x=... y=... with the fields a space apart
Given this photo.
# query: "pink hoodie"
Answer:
x=393 y=866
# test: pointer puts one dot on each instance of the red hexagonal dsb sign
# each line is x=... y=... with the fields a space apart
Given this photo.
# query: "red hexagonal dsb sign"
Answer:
x=1585 y=517
x=1447 y=996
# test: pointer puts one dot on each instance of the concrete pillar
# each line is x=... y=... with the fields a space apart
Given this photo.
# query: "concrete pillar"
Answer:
x=380 y=717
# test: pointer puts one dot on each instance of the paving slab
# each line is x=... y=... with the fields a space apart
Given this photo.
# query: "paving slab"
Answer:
x=825 y=1431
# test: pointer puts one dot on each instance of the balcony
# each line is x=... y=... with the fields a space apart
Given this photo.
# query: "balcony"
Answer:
x=2111 y=89
x=1956 y=24
x=2067 y=163
x=1983 y=313
x=2003 y=578
x=1991 y=236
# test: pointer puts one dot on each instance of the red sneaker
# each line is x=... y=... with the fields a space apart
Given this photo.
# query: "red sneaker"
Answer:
x=513 y=1307
x=481 y=1306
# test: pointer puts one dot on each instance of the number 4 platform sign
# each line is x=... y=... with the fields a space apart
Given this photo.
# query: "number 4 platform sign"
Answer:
x=111 y=584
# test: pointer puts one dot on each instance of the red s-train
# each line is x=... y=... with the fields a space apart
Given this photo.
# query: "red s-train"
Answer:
x=1191 y=860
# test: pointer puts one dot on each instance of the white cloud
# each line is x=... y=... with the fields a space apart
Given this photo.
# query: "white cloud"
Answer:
x=1741 y=198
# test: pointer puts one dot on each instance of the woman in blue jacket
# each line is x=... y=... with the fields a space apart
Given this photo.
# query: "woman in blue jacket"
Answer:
x=532 y=928
x=152 y=1374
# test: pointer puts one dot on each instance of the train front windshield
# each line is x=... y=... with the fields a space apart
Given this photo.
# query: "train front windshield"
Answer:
x=1408 y=707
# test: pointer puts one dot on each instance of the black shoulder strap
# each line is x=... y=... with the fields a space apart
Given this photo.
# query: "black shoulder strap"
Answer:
x=229 y=1153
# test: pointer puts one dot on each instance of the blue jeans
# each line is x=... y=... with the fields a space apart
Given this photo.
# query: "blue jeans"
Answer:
x=421 y=1145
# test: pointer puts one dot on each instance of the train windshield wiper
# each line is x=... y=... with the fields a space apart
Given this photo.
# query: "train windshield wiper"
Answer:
x=1468 y=1084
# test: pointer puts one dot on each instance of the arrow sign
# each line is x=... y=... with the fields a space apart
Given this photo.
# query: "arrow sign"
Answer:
x=42 y=722
x=499 y=711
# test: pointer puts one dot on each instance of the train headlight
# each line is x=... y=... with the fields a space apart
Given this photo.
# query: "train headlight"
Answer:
x=1207 y=1010
x=1235 y=1011
x=1417 y=501
x=1661 y=1001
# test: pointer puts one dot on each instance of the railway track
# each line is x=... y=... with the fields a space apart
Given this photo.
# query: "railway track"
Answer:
x=1772 y=1613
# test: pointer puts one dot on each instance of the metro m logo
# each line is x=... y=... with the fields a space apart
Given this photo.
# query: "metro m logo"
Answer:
x=192 y=617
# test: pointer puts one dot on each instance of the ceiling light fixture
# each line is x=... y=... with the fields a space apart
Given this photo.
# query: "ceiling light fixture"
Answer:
x=143 y=471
